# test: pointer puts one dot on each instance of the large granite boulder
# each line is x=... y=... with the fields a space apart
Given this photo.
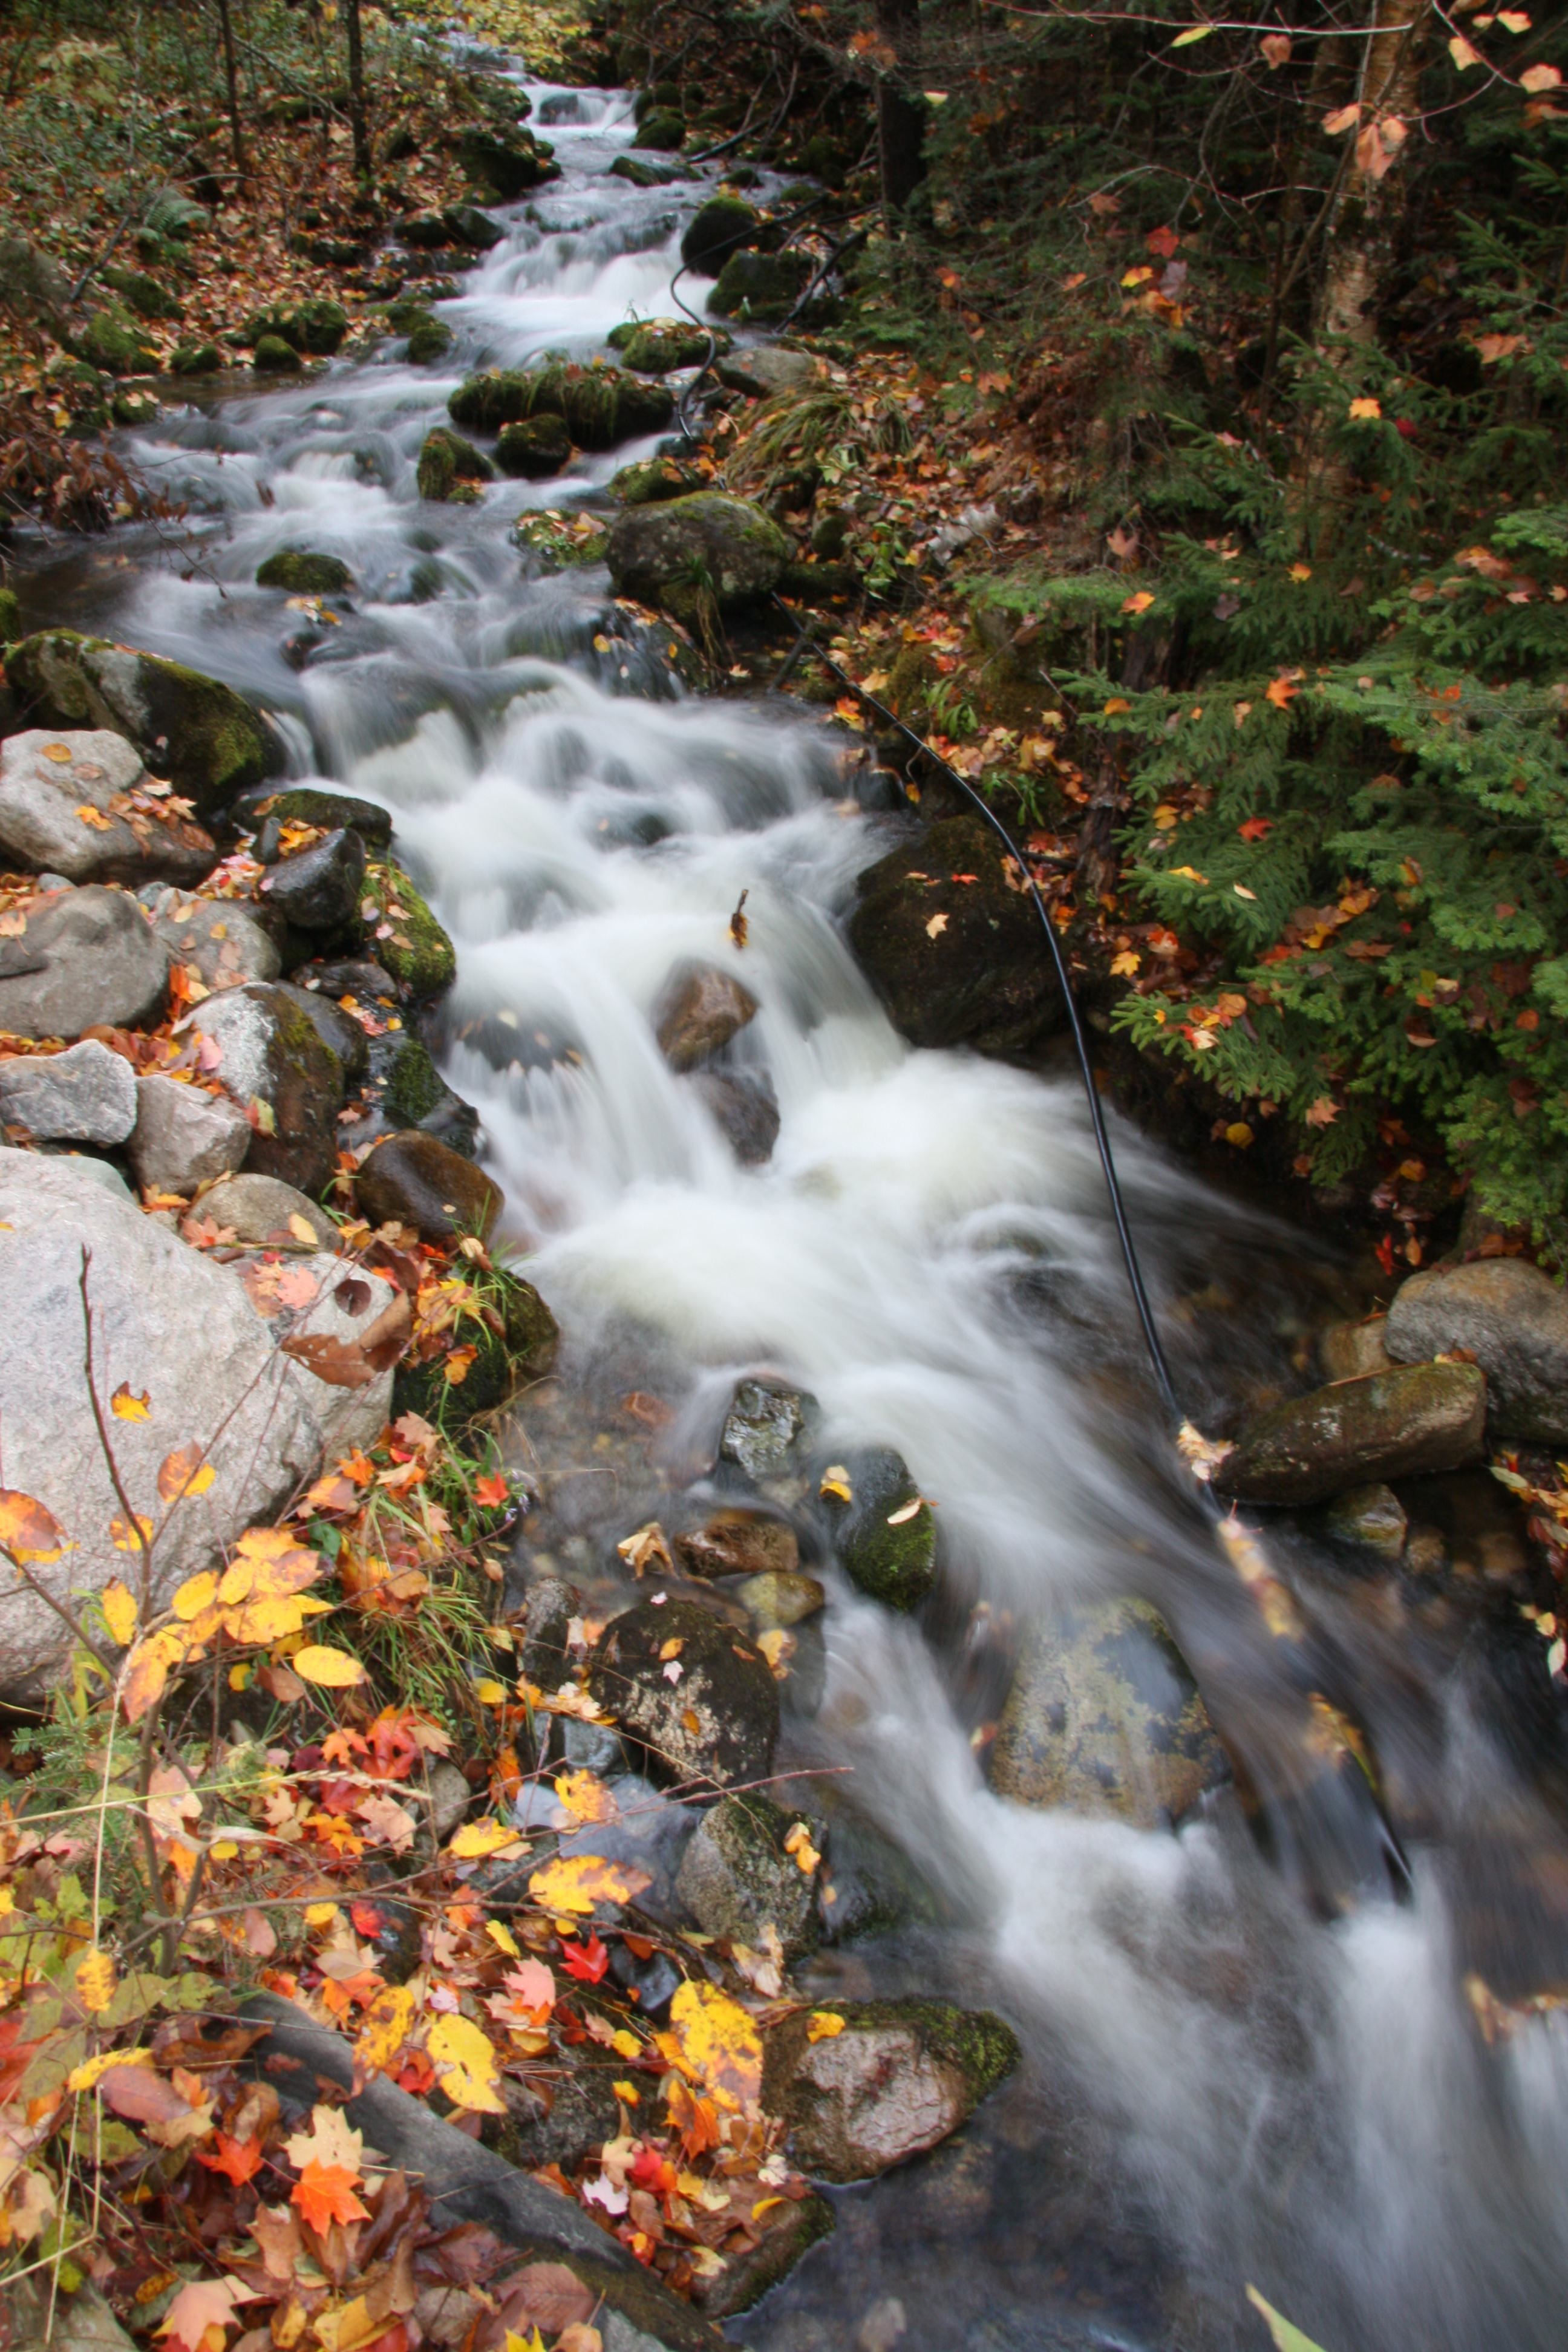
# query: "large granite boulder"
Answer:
x=171 y=1326
x=85 y=959
x=201 y=735
x=1512 y=1319
x=955 y=953
x=273 y=1063
x=79 y=803
x=1400 y=1424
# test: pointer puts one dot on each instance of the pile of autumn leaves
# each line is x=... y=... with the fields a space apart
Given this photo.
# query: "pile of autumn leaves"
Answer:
x=138 y=2148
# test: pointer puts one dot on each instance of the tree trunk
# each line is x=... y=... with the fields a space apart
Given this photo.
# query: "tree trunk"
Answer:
x=232 y=72
x=1372 y=192
x=356 y=95
x=900 y=112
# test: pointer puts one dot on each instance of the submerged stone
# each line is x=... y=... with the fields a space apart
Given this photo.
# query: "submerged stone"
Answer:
x=1370 y=1517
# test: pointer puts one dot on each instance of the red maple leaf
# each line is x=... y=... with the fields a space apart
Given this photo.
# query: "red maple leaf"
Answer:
x=239 y=2159
x=1256 y=827
x=491 y=1491
x=325 y=2193
x=653 y=2171
x=367 y=1919
x=587 y=1962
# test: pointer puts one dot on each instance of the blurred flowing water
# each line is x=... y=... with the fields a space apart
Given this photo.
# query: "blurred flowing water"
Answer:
x=1223 y=2085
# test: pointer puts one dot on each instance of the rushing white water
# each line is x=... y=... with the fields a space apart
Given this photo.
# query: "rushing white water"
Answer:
x=1243 y=2092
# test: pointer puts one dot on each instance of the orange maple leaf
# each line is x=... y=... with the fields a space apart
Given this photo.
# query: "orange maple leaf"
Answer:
x=325 y=2193
x=1280 y=691
x=239 y=2159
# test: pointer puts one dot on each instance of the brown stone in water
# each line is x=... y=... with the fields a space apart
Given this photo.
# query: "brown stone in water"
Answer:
x=703 y=1011
x=416 y=1179
x=739 y=1543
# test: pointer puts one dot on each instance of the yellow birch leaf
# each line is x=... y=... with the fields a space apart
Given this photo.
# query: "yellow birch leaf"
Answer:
x=575 y=1883
x=333 y=1669
x=28 y=1531
x=85 y=2077
x=119 y=1612
x=126 y=1405
x=197 y=1593
x=477 y=1839
x=501 y=1934
x=388 y=2022
x=721 y=2041
x=95 y=1980
x=183 y=1472
x=126 y=1537
x=465 y=2065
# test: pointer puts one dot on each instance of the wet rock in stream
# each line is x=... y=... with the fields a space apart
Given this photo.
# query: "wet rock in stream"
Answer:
x=317 y=889
x=1386 y=1425
x=896 y=2078
x=48 y=780
x=767 y=1435
x=716 y=1719
x=740 y=1876
x=1103 y=1716
x=739 y=1543
x=702 y=1010
x=1512 y=1320
x=706 y=555
x=745 y=1109
x=1368 y=1519
x=416 y=1179
x=885 y=1532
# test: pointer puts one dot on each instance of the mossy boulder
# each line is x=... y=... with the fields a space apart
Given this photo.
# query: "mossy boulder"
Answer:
x=1404 y=1423
x=985 y=978
x=762 y=286
x=663 y=130
x=144 y=295
x=885 y=1536
x=271 y=1053
x=304 y=573
x=506 y=164
x=644 y=175
x=551 y=543
x=1103 y=1716
x=524 y=1350
x=739 y=1877
x=134 y=404
x=449 y=467
x=113 y=341
x=534 y=448
x=416 y=952
x=599 y=406
x=483 y=403
x=724 y=225
x=428 y=340
x=195 y=359
x=273 y=356
x=656 y=346
x=316 y=326
x=697 y=556
x=653 y=480
x=198 y=733
x=897 y=2078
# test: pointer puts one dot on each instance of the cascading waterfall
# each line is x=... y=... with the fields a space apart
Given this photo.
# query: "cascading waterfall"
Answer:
x=1224 y=2088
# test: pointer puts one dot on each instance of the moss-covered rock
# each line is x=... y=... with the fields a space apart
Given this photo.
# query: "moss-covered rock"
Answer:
x=1404 y=1423
x=199 y=734
x=534 y=448
x=654 y=480
x=273 y=356
x=724 y=225
x=473 y=227
x=428 y=340
x=524 y=1350
x=644 y=175
x=273 y=1054
x=10 y=617
x=885 y=1536
x=984 y=978
x=416 y=952
x=1103 y=1716
x=762 y=286
x=134 y=404
x=506 y=165
x=789 y=2229
x=738 y=1876
x=697 y=556
x=113 y=341
x=304 y=573
x=316 y=325
x=898 y=2077
x=554 y=543
x=195 y=359
x=144 y=295
x=656 y=346
x=484 y=402
x=663 y=131
x=449 y=467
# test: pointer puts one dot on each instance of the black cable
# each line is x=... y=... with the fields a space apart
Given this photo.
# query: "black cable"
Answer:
x=1070 y=999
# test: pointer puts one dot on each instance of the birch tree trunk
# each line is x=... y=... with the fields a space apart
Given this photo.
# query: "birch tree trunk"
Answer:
x=1372 y=194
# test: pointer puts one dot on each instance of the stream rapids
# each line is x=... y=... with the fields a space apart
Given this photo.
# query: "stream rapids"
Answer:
x=1229 y=2079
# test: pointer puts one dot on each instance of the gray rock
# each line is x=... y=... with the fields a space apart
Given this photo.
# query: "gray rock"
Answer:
x=1103 y=1716
x=700 y=1013
x=450 y=1797
x=338 y=1031
x=87 y=957
x=717 y=1722
x=343 y=1309
x=1513 y=1319
x=319 y=889
x=885 y=1536
x=698 y=557
x=1370 y=1517
x=222 y=943
x=201 y=735
x=257 y=1210
x=768 y=1429
x=32 y=281
x=1348 y=1350
x=736 y=1878
x=739 y=1543
x=1398 y=1424
x=899 y=2077
x=86 y=1095
x=270 y=1054
x=43 y=797
x=170 y=1324
x=584 y=2114
x=183 y=1137
x=766 y=369
x=744 y=1107
x=552 y=1605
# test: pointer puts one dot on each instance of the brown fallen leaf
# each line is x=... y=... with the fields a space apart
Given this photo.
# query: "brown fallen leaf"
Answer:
x=355 y=1363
